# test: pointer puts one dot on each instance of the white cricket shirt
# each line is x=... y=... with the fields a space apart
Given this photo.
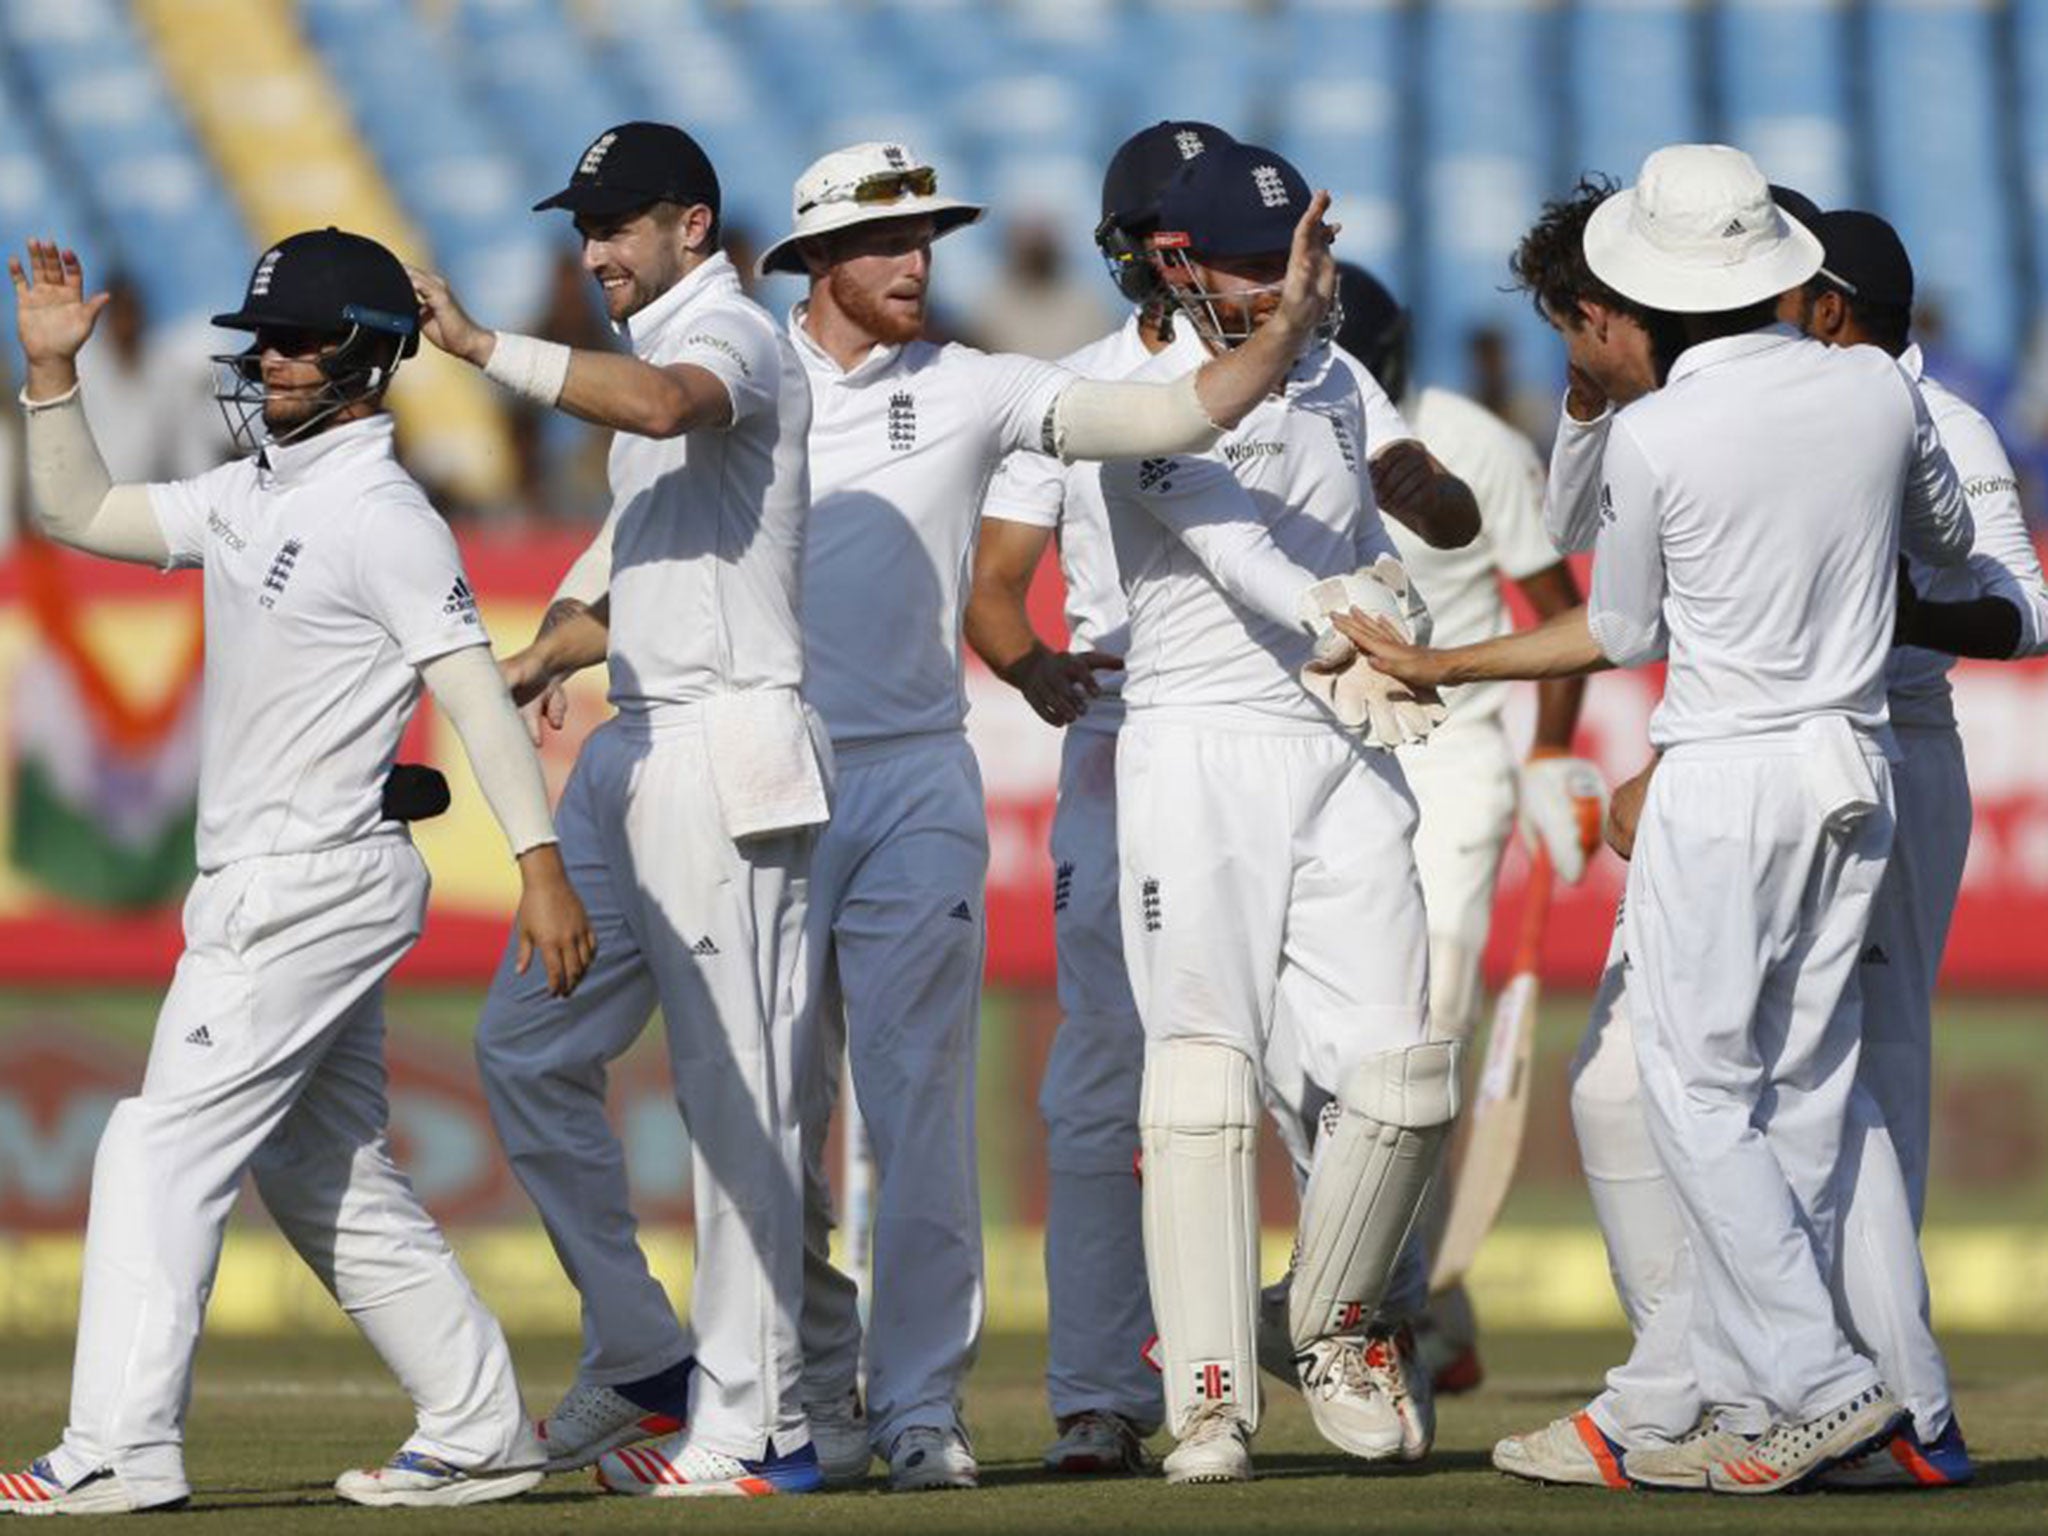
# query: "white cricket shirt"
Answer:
x=1571 y=492
x=708 y=527
x=329 y=581
x=1462 y=586
x=1215 y=550
x=1036 y=489
x=2002 y=562
x=902 y=447
x=1751 y=516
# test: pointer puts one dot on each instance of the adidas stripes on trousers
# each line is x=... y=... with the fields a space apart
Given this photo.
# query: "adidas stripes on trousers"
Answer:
x=269 y=1058
x=711 y=931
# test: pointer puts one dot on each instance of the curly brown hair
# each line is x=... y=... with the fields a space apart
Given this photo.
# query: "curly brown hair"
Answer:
x=1550 y=263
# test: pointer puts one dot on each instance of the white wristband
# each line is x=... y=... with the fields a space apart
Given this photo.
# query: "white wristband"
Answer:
x=69 y=397
x=531 y=368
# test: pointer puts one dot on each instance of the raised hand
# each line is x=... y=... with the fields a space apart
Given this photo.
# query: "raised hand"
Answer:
x=445 y=323
x=52 y=315
x=1310 y=287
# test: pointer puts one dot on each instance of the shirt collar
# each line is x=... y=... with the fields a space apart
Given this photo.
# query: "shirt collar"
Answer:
x=1914 y=362
x=281 y=466
x=880 y=358
x=708 y=276
x=1723 y=349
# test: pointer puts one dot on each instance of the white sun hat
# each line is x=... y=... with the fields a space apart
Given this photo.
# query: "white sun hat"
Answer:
x=1699 y=233
x=859 y=185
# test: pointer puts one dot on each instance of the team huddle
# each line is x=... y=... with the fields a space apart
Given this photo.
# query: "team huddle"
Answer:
x=1284 y=794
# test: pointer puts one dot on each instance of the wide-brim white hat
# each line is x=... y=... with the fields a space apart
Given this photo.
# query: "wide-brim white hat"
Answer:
x=838 y=191
x=1699 y=233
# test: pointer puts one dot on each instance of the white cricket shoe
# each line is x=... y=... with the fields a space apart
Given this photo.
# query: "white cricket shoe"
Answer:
x=840 y=1433
x=1682 y=1464
x=415 y=1480
x=1572 y=1450
x=1217 y=1448
x=1098 y=1444
x=36 y=1490
x=1398 y=1375
x=1343 y=1399
x=926 y=1457
x=676 y=1469
x=590 y=1420
x=1791 y=1455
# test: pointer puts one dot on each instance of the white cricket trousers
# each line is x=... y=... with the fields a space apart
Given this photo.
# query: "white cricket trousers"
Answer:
x=896 y=923
x=1745 y=921
x=1908 y=932
x=711 y=930
x=1881 y=1282
x=268 y=1058
x=1099 y=1309
x=1463 y=780
x=1270 y=876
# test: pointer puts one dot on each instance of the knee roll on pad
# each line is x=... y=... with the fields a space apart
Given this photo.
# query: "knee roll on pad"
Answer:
x=1199 y=1122
x=1372 y=1168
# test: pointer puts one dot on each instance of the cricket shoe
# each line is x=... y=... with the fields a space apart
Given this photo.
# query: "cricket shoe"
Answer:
x=839 y=1431
x=1792 y=1455
x=1217 y=1448
x=1572 y=1450
x=36 y=1490
x=1908 y=1462
x=1098 y=1444
x=415 y=1480
x=590 y=1420
x=925 y=1458
x=1399 y=1376
x=1345 y=1401
x=676 y=1469
x=1682 y=1464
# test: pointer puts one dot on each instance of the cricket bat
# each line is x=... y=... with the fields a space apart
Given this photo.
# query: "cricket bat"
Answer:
x=1500 y=1103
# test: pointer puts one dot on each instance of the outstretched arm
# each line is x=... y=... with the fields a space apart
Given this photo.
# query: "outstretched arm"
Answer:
x=1093 y=419
x=71 y=496
x=613 y=389
x=1561 y=646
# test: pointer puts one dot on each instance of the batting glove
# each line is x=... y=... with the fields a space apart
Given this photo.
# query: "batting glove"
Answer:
x=1563 y=805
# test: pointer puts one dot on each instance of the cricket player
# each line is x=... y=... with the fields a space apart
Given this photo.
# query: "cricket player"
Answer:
x=904 y=437
x=1994 y=606
x=1465 y=779
x=1767 y=469
x=1104 y=1392
x=332 y=594
x=1267 y=869
x=689 y=827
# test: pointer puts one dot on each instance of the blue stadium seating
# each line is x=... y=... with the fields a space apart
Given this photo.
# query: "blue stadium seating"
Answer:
x=1942 y=155
x=438 y=151
x=1439 y=125
x=156 y=199
x=1634 y=68
x=1487 y=161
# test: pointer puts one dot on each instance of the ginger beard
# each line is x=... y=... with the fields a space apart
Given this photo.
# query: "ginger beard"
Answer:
x=878 y=276
x=892 y=315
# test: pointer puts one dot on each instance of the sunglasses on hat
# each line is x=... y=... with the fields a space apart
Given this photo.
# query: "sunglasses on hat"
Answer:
x=881 y=187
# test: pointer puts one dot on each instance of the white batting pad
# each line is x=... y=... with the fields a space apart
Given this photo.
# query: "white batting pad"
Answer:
x=1365 y=1186
x=1199 y=1121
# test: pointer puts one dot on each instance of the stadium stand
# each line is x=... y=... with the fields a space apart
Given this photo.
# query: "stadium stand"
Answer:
x=1439 y=126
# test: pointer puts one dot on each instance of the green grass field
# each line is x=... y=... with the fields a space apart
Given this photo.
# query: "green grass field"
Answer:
x=273 y=1422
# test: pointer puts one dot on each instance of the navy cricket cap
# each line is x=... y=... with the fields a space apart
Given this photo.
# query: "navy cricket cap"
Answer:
x=1803 y=209
x=1145 y=162
x=329 y=280
x=1234 y=200
x=634 y=165
x=1375 y=326
x=1864 y=257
